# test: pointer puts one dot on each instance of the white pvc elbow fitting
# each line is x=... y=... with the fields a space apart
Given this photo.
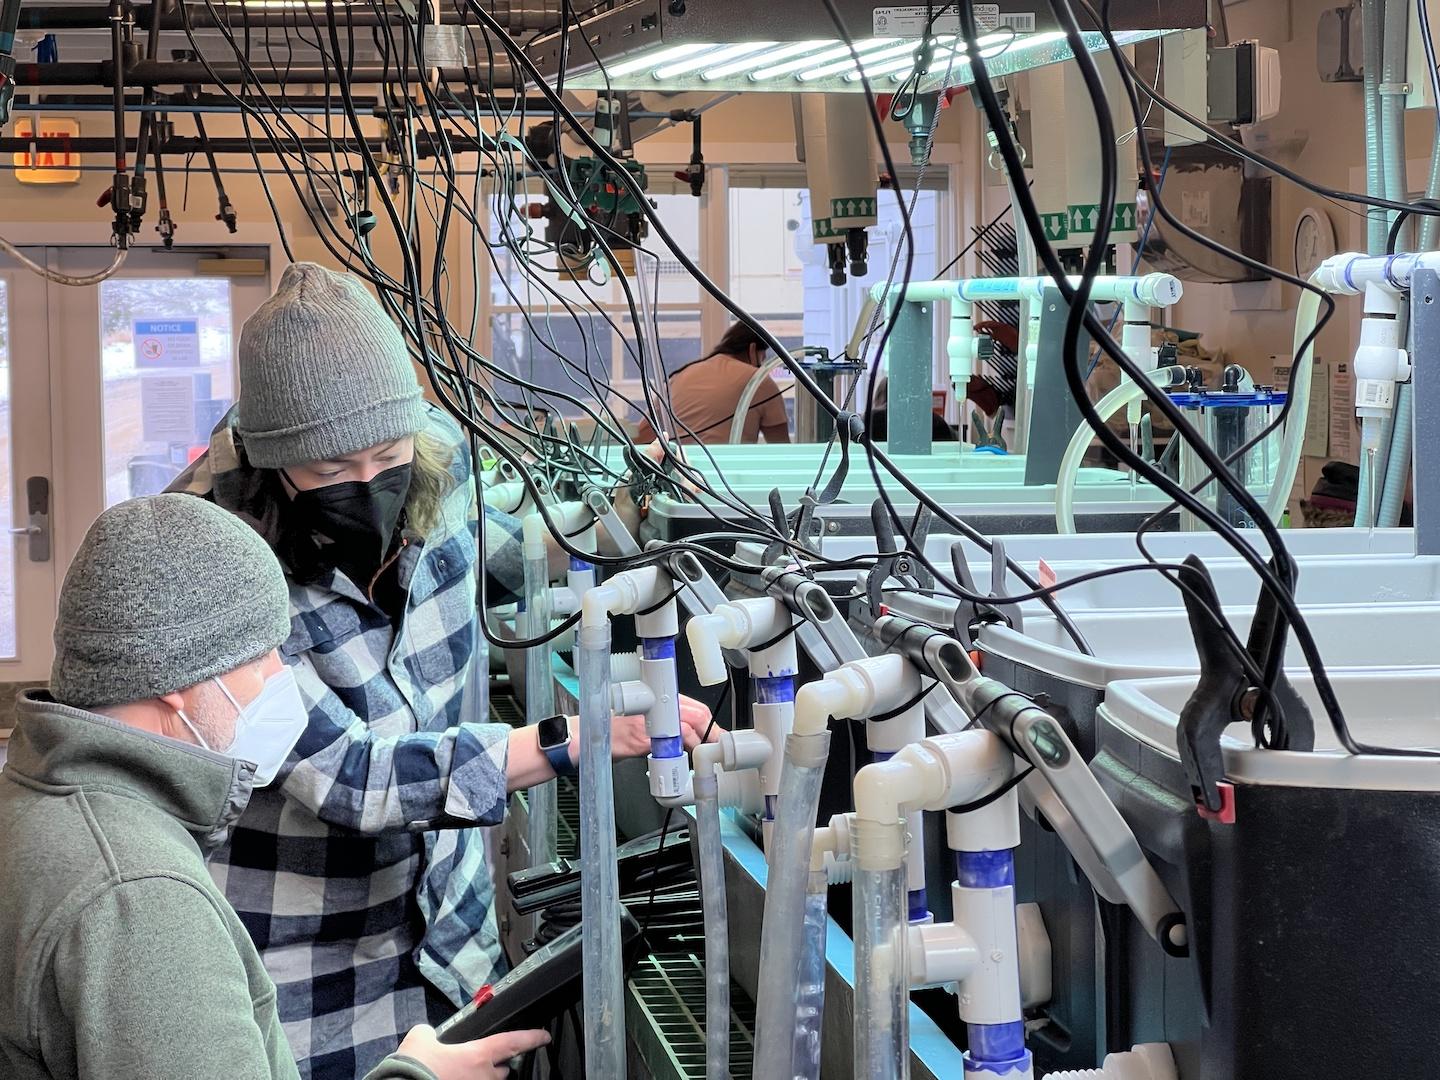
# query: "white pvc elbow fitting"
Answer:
x=934 y=774
x=739 y=624
x=853 y=690
x=623 y=594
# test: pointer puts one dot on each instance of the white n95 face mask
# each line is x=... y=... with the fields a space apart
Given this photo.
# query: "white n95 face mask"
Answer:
x=268 y=728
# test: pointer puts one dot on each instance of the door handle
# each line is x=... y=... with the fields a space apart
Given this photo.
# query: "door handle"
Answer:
x=37 y=498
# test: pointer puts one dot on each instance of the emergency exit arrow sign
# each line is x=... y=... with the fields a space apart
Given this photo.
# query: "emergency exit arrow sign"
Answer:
x=1084 y=217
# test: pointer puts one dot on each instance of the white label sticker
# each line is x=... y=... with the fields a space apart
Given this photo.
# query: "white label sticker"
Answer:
x=911 y=21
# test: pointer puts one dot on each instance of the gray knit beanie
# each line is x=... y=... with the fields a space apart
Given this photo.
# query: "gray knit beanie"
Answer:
x=165 y=592
x=323 y=372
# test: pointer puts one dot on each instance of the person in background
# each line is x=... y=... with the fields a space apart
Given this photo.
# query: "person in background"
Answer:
x=705 y=394
x=878 y=422
x=357 y=873
x=168 y=706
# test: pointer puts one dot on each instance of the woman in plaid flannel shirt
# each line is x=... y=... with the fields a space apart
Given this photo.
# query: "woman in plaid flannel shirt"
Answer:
x=358 y=871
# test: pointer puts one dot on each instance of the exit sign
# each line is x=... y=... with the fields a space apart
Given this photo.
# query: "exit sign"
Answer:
x=47 y=166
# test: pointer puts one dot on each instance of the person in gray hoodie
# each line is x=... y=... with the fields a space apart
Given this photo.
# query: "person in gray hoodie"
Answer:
x=168 y=704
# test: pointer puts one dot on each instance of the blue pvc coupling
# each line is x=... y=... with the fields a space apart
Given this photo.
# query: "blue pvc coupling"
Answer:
x=657 y=648
x=917 y=906
x=668 y=747
x=773 y=689
x=996 y=1049
x=985 y=869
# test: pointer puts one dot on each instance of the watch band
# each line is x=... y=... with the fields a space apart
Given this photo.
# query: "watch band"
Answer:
x=557 y=754
x=559 y=758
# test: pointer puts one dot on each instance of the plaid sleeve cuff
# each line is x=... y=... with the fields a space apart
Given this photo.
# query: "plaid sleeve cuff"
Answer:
x=504 y=559
x=478 y=786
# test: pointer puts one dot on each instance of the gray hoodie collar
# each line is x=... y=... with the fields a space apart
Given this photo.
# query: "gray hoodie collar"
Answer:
x=56 y=744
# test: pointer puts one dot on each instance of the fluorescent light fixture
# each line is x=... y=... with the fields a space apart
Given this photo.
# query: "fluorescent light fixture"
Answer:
x=648 y=61
x=691 y=65
x=800 y=48
x=781 y=46
x=834 y=53
x=907 y=48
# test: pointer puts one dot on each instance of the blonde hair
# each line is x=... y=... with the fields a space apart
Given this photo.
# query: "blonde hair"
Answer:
x=430 y=482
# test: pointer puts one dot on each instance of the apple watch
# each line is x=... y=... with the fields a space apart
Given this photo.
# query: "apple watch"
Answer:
x=553 y=734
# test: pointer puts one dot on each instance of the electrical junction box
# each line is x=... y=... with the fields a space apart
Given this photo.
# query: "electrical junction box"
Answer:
x=1243 y=83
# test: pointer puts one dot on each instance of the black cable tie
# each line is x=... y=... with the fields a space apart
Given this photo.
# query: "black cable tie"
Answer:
x=778 y=637
x=656 y=607
x=879 y=718
x=999 y=793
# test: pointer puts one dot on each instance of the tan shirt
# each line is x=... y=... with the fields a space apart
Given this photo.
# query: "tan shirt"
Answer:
x=704 y=395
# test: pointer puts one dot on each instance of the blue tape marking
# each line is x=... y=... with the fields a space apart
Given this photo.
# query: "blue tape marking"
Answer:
x=669 y=747
x=881 y=755
x=985 y=869
x=774 y=690
x=657 y=648
x=580 y=564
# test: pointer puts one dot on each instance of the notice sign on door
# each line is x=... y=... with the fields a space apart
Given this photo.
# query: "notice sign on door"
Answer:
x=167 y=343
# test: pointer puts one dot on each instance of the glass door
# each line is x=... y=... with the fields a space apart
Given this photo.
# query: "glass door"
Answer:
x=107 y=392
x=146 y=370
x=28 y=573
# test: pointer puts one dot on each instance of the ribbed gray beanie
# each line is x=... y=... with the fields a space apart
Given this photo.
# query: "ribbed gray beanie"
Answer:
x=165 y=592
x=324 y=372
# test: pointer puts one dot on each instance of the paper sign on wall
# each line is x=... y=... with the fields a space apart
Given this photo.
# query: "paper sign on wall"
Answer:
x=1342 y=412
x=1317 y=421
x=167 y=408
x=167 y=343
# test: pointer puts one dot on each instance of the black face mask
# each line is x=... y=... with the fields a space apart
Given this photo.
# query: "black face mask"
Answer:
x=359 y=517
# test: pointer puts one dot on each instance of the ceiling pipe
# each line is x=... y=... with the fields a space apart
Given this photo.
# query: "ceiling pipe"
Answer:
x=527 y=15
x=184 y=145
x=145 y=73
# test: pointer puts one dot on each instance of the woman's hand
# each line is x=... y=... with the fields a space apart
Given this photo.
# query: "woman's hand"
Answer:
x=626 y=508
x=628 y=738
x=482 y=1059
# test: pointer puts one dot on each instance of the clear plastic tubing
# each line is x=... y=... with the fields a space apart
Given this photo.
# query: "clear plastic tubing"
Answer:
x=882 y=973
x=810 y=999
x=995 y=1049
x=717 y=927
x=917 y=902
x=539 y=703
x=781 y=939
x=603 y=979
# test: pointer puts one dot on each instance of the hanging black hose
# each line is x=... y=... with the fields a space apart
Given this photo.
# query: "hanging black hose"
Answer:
x=119 y=196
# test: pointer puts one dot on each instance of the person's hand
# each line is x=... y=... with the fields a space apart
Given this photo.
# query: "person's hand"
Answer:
x=626 y=508
x=482 y=1059
x=629 y=739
